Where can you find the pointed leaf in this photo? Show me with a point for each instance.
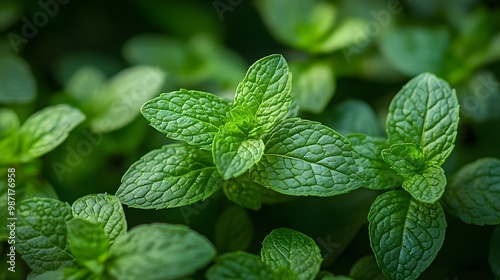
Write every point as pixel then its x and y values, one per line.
pixel 103 209
pixel 173 176
pixel 289 249
pixel 425 113
pixel 41 234
pixel 17 84
pixel 239 265
pixel 379 176
pixel 427 186
pixel 187 115
pixel 47 128
pixel 233 230
pixel 159 251
pixel 120 100
pixel 405 234
pixel 266 90
pixel 474 192
pixel 306 158
pixel 234 153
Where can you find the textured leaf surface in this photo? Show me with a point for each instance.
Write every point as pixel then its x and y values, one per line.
pixel 17 84
pixel 474 192
pixel 266 90
pixel 494 256
pixel 103 209
pixel 88 243
pixel 120 100
pixel 234 153
pixel 378 174
pixel 244 192
pixel 41 234
pixel 47 128
pixel 175 175
pixel 427 186
pixel 425 112
pixel 405 234
pixel 239 265
pixel 306 158
pixel 160 251
pixel 187 115
pixel 233 230
pixel 406 159
pixel 288 249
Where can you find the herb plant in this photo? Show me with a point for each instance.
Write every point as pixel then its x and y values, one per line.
pixel 241 147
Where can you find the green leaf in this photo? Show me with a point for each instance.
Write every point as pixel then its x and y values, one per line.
pixel 405 234
pixel 159 251
pixel 378 174
pixel 88 243
pixel 173 176
pixel 17 84
pixel 313 85
pixel 239 265
pixel 103 209
pixel 235 153
pixel 288 249
pixel 121 98
pixel 366 269
pixel 406 159
pixel 266 91
pixel 407 48
pixel 425 112
pixel 84 85
pixel 427 186
pixel 479 99
pixel 244 192
pixel 494 256
pixel 187 115
pixel 306 158
pixel 233 230
pixel 9 136
pixel 68 273
pixel 41 234
pixel 353 116
pixel 46 129
pixel 474 192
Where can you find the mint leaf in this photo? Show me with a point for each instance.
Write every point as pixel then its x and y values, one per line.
pixel 46 129
pixel 173 176
pixel 406 159
pixel 366 269
pixel 9 134
pixel 425 113
pixel 103 209
pixel 474 192
pixel 266 91
pixel 160 251
pixel 313 85
pixel 288 249
pixel 84 86
pixel 41 234
pixel 405 234
pixel 306 158
pixel 233 230
pixel 239 265
pixel 494 256
pixel 244 192
pixel 234 153
pixel 121 98
pixel 377 172
pixel 354 116
pixel 427 186
pixel 17 84
pixel 88 243
pixel 187 115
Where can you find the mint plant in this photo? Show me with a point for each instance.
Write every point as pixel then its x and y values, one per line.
pixel 241 147
pixel 89 240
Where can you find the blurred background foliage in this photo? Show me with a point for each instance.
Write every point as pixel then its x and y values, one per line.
pixel 348 59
